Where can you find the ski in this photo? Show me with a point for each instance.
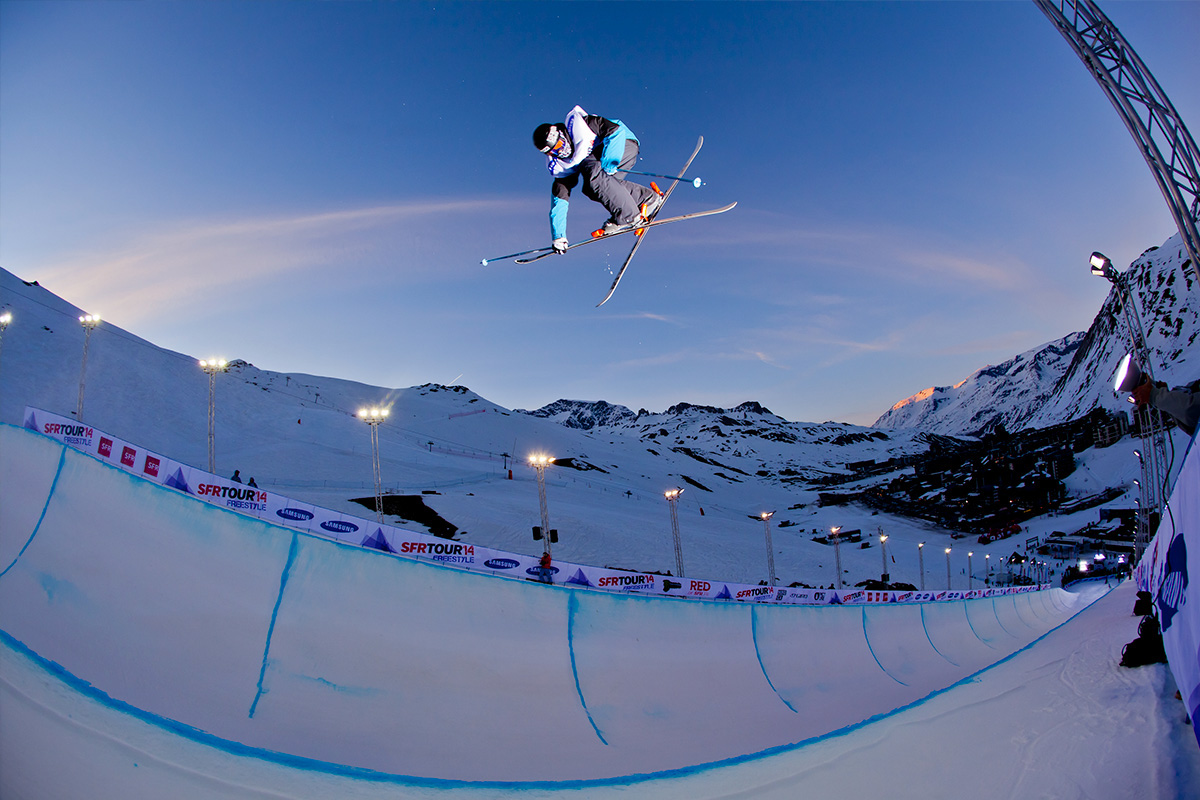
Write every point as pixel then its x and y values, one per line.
pixel 621 272
pixel 641 228
pixel 652 224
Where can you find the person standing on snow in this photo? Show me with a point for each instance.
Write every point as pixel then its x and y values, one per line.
pixel 595 150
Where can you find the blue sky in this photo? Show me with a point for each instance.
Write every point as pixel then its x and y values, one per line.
pixel 311 187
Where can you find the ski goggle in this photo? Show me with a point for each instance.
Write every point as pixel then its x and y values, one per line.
pixel 557 144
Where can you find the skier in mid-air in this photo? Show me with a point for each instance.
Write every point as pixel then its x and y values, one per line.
pixel 596 150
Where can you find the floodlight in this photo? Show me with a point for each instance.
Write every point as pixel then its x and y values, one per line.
pixel 211 365
pixel 1129 375
pixel 1101 265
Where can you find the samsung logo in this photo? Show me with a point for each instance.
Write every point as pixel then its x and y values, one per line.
pixel 297 514
pixel 501 563
pixel 337 526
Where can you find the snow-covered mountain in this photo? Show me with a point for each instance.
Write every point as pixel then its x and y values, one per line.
pixel 463 455
pixel 1065 379
pixel 582 414
pixel 745 443
pixel 994 395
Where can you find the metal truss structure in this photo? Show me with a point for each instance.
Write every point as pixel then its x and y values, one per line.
pixel 1161 136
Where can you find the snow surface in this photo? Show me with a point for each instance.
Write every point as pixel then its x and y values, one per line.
pixel 233 658
pixel 1056 719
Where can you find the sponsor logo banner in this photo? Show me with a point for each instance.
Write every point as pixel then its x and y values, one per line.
pixel 280 510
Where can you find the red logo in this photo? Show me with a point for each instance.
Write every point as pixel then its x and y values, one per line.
pixel 151 467
pixel 128 455
pixel 105 446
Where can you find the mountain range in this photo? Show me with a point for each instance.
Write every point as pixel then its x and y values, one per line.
pixel 463 454
pixel 1066 378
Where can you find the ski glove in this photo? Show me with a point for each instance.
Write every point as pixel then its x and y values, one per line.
pixel 560 246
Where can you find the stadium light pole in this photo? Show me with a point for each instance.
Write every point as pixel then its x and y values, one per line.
pixel 921 563
pixel 212 366
pixel 885 575
pixel 373 417
pixel 970 583
pixel 5 319
pixel 836 532
pixel 1151 427
pixel 947 569
pixel 539 461
pixel 89 323
pixel 766 518
pixel 672 496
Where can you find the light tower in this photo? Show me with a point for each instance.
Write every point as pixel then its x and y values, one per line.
pixel 374 416
pixel 947 569
pixel 766 518
pixel 1151 429
pixel 885 576
pixel 539 461
pixel 89 323
pixel 672 496
pixel 969 576
pixel 212 366
pixel 836 532
pixel 5 319
pixel 1157 129
pixel 921 563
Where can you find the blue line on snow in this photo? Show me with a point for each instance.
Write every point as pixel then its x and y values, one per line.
pixel 572 607
pixel 287 569
pixel 62 458
pixel 1001 624
pixel 758 655
pixel 374 776
pixel 930 638
pixel 971 625
pixel 867 637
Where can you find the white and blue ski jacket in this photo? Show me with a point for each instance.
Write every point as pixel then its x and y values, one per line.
pixel 590 135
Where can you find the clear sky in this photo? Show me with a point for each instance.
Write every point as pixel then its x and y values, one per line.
pixel 311 186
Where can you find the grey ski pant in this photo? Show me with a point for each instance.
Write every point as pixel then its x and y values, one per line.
pixel 621 198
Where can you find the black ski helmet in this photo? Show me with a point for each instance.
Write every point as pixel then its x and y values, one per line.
pixel 541 136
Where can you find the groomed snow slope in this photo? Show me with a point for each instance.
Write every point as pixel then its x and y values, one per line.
pixel 341 662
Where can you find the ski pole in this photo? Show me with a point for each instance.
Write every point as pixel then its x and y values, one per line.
pixel 487 261
pixel 693 181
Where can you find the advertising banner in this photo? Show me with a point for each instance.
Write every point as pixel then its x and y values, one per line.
pixel 1165 571
pixel 281 510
